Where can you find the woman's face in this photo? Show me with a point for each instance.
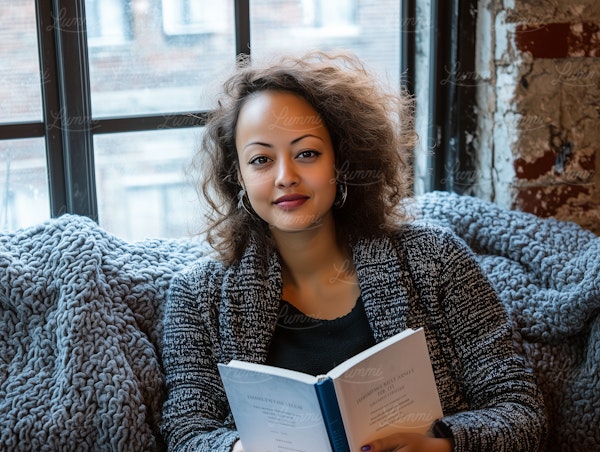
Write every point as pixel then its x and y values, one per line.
pixel 287 163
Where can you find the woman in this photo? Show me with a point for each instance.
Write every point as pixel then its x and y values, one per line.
pixel 307 176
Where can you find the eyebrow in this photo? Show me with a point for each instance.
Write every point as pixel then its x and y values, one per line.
pixel 294 141
pixel 308 135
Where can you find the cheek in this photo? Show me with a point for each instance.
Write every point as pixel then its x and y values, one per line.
pixel 324 187
pixel 257 188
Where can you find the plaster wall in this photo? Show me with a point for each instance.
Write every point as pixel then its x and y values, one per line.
pixel 538 106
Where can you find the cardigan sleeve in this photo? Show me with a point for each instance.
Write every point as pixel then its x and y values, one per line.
pixel 196 415
pixel 506 409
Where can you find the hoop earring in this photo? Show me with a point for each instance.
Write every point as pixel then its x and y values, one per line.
pixel 342 194
pixel 243 200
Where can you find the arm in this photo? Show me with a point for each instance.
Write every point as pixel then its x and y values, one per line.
pixel 196 414
pixel 505 405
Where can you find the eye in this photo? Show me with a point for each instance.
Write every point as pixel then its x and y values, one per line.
pixel 259 160
pixel 308 154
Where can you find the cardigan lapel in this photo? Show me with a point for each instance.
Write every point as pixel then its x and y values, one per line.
pixel 385 286
pixel 251 293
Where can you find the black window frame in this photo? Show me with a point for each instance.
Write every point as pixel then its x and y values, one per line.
pixel 452 96
pixel 68 126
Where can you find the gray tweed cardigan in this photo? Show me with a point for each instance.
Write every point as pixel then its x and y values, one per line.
pixel 422 277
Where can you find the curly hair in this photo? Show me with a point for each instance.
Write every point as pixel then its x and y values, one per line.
pixel 372 133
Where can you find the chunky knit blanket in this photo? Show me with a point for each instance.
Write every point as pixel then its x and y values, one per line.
pixel 80 324
pixel 547 274
pixel 80 337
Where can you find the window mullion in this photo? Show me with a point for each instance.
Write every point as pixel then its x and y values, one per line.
pixel 242 26
pixel 51 107
pixel 74 114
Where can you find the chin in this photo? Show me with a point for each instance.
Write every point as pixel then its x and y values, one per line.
pixel 298 227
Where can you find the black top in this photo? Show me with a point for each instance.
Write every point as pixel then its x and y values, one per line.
pixel 315 346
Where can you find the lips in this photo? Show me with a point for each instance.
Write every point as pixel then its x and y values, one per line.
pixel 290 201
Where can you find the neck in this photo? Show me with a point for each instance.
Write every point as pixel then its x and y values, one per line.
pixel 318 274
pixel 309 254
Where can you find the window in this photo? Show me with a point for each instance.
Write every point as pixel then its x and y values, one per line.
pixel 339 16
pixel 444 61
pixel 372 31
pixel 141 183
pixel 108 22
pixel 23 173
pixel 24 190
pixel 181 17
pixel 103 102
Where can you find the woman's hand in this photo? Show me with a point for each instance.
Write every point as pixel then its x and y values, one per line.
pixel 408 442
pixel 405 442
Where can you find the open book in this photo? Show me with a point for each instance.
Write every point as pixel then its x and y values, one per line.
pixel 387 388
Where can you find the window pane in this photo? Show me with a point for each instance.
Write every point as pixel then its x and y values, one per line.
pixel 108 22
pixel 20 90
pixel 24 197
pixel 143 189
pixel 155 57
pixel 369 28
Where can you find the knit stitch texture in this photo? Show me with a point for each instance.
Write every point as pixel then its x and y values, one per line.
pixel 80 324
pixel 80 336
pixel 547 274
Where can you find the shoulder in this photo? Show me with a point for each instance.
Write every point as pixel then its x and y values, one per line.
pixel 210 275
pixel 201 276
pixel 415 245
pixel 415 239
pixel 434 249
pixel 429 237
pixel 196 292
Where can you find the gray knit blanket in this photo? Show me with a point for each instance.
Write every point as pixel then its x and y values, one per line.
pixel 80 336
pixel 80 324
pixel 547 274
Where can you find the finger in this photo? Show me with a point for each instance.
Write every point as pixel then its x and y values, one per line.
pixel 395 442
pixel 389 443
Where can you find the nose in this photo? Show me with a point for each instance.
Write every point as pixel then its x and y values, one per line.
pixel 287 175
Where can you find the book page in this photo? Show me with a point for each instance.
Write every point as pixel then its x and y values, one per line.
pixel 275 413
pixel 393 390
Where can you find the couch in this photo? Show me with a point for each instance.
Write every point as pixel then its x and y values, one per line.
pixel 80 323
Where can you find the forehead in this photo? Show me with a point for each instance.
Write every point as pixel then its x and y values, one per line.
pixel 279 111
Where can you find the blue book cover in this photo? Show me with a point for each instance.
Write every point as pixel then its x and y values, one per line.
pixel 332 415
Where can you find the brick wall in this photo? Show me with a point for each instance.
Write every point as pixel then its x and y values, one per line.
pixel 539 126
